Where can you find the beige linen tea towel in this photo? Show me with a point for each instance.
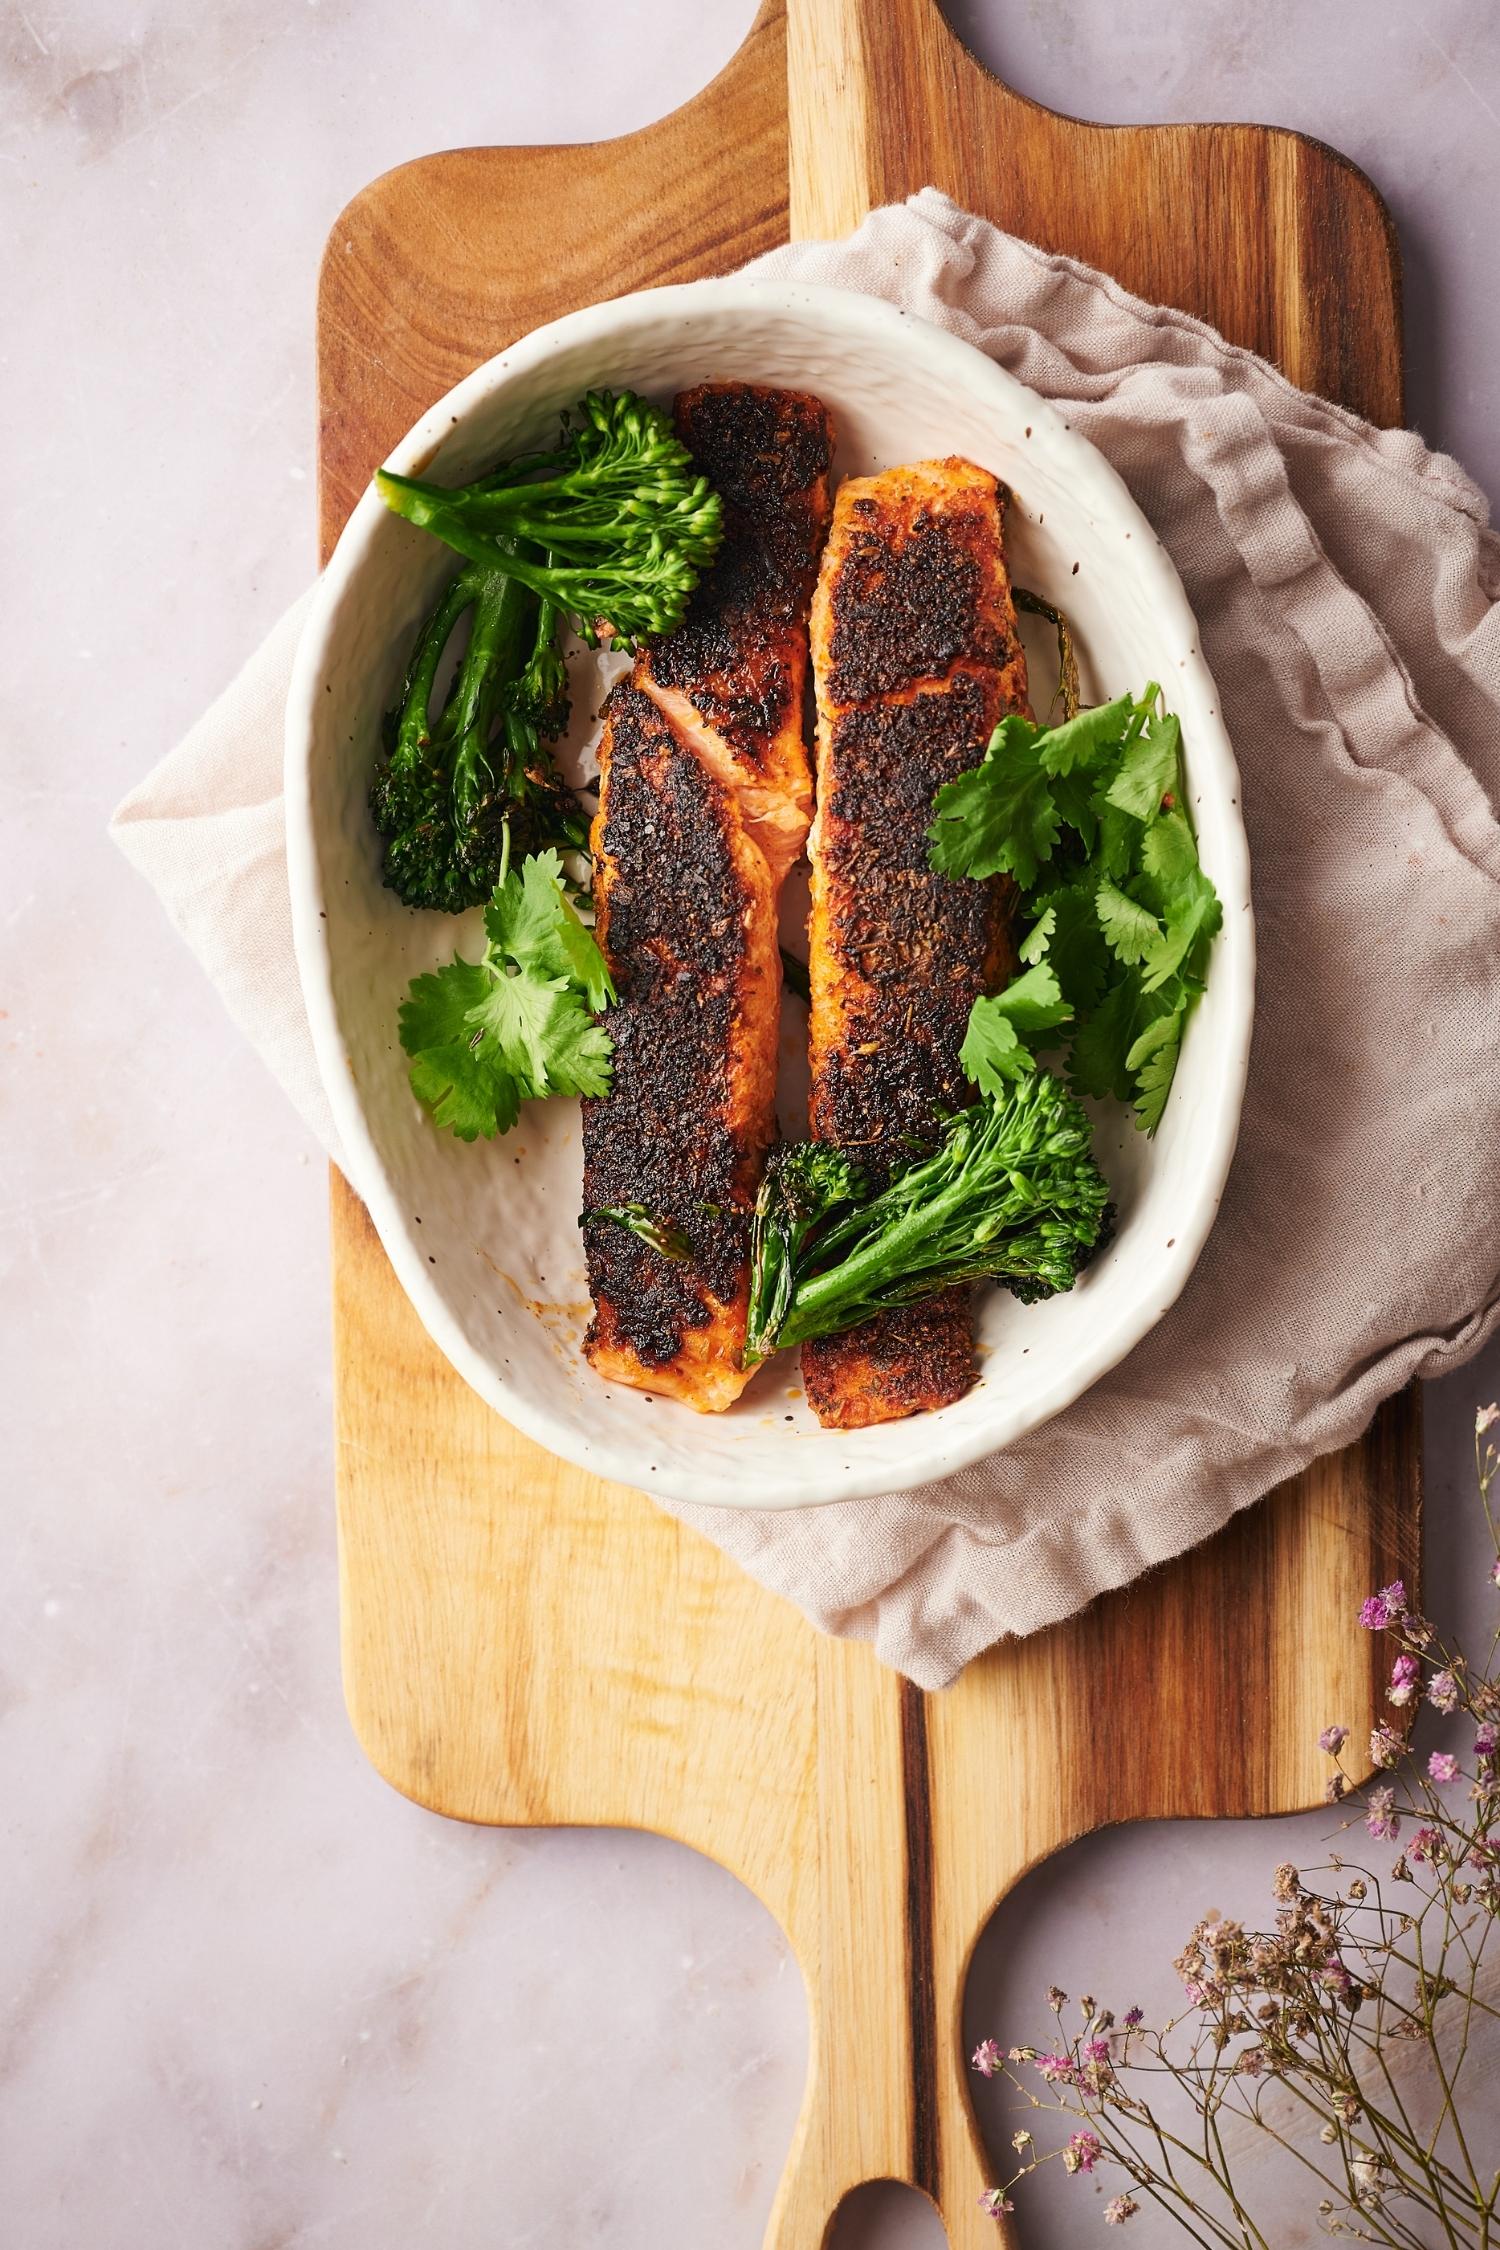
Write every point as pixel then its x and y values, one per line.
pixel 1346 583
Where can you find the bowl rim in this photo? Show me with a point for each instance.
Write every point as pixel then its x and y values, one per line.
pixel 806 1481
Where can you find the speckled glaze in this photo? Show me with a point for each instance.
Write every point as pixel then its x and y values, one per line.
pixel 484 1238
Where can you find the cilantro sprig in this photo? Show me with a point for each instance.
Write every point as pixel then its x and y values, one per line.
pixel 1088 818
pixel 517 1025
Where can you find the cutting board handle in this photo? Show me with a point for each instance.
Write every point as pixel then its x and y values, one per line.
pixel 878 1952
pixel 853 67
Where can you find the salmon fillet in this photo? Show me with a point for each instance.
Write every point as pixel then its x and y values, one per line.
pixel 705 797
pixel 732 676
pixel 915 658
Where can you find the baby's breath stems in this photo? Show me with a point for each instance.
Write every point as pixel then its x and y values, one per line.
pixel 1360 1958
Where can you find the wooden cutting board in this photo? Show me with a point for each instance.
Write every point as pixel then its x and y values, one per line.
pixel 525 1645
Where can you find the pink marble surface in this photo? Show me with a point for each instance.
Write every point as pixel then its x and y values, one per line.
pixel 251 1997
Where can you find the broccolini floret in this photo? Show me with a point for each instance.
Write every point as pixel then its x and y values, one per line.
pixel 626 520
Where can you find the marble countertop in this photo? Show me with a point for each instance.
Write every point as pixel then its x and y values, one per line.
pixel 253 1998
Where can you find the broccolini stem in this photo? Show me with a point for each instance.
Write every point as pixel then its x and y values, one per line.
pixel 627 482
pixel 493 654
pixel 414 729
pixel 1069 695
pixel 819 1305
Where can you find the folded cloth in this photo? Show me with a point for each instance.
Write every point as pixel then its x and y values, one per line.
pixel 1346 583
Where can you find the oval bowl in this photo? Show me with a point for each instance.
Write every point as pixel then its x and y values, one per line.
pixel 484 1238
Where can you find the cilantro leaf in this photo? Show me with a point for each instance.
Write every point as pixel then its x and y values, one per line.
pixel 1032 1001
pixel 484 1036
pixel 1088 738
pixel 1153 1059
pixel 1075 943
pixel 1169 856
pixel 1099 1065
pixel 1005 1027
pixel 1076 796
pixel 578 1050
pixel 1000 817
pixel 518 1015
pixel 467 1090
pixel 1036 941
pixel 1117 845
pixel 1123 919
pixel 1130 929
pixel 993 1051
pixel 586 964
pixel 1149 770
pixel 531 921
pixel 968 832
pixel 1194 916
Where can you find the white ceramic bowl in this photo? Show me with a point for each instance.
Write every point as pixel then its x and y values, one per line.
pixel 484 1238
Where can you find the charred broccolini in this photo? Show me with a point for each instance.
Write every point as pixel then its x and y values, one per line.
pixel 626 520
pixel 468 777
pixel 1012 1193
pixel 607 533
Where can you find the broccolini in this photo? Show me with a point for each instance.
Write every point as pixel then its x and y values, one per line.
pixel 626 520
pixel 606 533
pixel 1012 1192
pixel 465 781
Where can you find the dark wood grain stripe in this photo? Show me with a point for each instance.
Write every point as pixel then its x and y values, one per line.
pixel 921 1982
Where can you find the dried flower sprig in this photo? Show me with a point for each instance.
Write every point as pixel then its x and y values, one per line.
pixel 1360 1958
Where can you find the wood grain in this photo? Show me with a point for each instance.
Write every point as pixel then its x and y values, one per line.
pixel 525 1645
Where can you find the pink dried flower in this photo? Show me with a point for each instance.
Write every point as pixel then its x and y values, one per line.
pixel 1332 1739
pixel 1426 1844
pixel 1120 2208
pixel 1442 1691
pixel 1388 1607
pixel 986 2058
pixel 1385 1746
pixel 1082 2152
pixel 1097 2050
pixel 1132 2017
pixel 994 2201
pixel 1443 1766
pixel 1056 1998
pixel 1406 1672
pixel 1055 2067
pixel 1485 1853
pixel 1484 1418
pixel 1484 1742
pixel 1381 1819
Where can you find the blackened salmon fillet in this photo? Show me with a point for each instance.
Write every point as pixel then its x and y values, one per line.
pixel 915 658
pixel 732 676
pixel 705 797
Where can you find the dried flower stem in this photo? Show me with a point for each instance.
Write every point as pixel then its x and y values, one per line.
pixel 1359 1959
